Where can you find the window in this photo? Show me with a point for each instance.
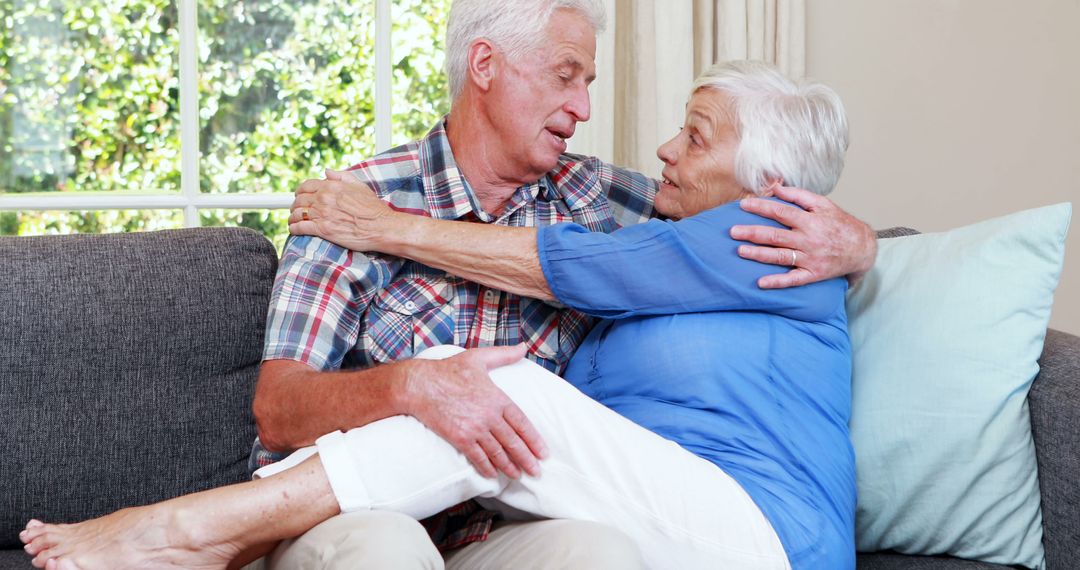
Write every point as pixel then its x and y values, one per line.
pixel 120 115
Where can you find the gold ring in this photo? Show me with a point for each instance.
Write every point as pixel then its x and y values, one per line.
pixel 304 215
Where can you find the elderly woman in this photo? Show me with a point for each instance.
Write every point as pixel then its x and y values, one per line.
pixel 705 417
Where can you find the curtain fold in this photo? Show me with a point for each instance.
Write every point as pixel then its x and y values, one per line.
pixel 652 51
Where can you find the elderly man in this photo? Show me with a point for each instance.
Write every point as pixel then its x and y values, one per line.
pixel 342 324
pixel 499 157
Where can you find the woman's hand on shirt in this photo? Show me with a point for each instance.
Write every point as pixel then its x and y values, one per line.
pixel 826 241
pixel 343 210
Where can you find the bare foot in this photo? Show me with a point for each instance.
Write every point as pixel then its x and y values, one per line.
pixel 202 530
pixel 165 535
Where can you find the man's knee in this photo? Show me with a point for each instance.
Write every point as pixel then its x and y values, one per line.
pixel 550 544
pixel 593 545
pixel 370 539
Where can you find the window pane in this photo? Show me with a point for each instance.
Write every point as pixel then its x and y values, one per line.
pixel 420 88
pixel 274 224
pixel 286 89
pixel 88 96
pixel 36 223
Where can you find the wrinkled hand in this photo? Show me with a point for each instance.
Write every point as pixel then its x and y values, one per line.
pixel 341 209
pixel 826 241
pixel 456 399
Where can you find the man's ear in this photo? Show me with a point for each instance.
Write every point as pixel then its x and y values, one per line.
pixel 482 64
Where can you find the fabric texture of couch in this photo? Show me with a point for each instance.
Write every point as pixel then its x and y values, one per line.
pixel 127 371
pixel 129 366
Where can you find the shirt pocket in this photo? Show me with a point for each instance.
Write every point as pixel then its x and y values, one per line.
pixel 408 316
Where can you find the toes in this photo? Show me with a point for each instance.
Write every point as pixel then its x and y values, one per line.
pixel 33 529
pixel 49 561
pixel 39 544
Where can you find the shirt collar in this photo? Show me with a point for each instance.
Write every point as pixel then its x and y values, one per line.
pixel 450 197
pixel 574 181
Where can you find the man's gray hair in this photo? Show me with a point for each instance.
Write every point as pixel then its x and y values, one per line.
pixel 797 131
pixel 514 26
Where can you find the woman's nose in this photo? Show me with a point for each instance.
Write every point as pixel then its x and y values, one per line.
pixel 667 151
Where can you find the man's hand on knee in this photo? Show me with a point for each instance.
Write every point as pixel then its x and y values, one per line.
pixel 456 399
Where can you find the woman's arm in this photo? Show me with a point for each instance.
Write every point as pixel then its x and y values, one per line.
pixel 672 267
pixel 343 210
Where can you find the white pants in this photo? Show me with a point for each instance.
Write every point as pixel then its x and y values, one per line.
pixel 681 510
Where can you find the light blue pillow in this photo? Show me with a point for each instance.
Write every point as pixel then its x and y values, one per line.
pixel 946 330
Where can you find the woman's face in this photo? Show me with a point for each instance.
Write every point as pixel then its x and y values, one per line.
pixel 699 162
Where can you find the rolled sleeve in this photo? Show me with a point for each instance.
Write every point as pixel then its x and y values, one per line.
pixel 319 296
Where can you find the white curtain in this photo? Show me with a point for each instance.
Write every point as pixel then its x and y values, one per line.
pixel 650 54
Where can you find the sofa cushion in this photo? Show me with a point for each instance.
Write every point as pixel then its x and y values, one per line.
pixel 1055 425
pixel 946 330
pixel 892 561
pixel 128 368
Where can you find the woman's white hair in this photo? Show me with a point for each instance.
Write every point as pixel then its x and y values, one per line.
pixel 795 131
pixel 514 26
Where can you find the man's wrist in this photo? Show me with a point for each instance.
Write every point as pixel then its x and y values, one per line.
pixel 408 234
pixel 403 383
pixel 871 251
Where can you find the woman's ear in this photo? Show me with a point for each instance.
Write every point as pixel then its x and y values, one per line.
pixel 482 65
pixel 771 184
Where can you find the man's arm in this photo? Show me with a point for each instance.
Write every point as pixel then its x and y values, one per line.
pixel 827 241
pixel 295 404
pixel 344 211
pixel 319 297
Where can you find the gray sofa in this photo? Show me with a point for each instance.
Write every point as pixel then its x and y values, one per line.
pixel 129 362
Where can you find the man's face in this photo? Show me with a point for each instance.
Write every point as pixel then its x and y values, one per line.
pixel 538 99
pixel 699 162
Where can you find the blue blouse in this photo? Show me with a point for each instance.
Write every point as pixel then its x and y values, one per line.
pixel 756 381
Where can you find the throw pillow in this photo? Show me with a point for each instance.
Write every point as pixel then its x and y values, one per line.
pixel 946 330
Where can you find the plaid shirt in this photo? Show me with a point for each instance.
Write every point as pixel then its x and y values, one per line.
pixel 333 308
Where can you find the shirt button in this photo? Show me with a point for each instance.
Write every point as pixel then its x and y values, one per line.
pixel 489 295
pixel 410 305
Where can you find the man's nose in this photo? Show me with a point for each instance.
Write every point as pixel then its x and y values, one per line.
pixel 578 105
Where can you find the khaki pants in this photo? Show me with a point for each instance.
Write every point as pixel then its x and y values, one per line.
pixel 383 539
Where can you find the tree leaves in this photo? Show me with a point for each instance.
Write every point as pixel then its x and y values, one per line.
pixel 88 96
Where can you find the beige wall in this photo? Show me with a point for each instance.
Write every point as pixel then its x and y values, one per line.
pixel 960 110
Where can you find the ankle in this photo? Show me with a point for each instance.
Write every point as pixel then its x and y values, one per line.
pixel 190 528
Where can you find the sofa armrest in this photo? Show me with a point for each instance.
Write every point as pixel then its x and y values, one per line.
pixel 1054 400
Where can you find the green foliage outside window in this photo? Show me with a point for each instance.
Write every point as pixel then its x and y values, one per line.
pixel 89 99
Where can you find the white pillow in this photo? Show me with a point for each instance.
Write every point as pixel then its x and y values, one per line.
pixel 946 330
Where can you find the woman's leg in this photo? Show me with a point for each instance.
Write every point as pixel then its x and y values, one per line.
pixel 681 510
pixel 202 530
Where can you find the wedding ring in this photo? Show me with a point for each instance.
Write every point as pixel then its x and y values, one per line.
pixel 794 258
pixel 304 215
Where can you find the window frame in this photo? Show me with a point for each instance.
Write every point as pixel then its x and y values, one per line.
pixel 190 199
